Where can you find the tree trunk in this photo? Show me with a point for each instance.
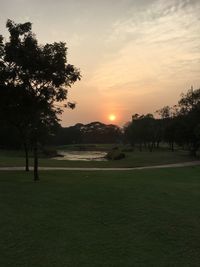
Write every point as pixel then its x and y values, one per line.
pixel 140 146
pixel 27 158
pixel 36 175
pixel 172 146
pixel 151 147
pixel 193 150
pixel 158 144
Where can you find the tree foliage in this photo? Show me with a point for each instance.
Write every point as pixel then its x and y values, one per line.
pixel 91 133
pixel 34 78
pixel 178 125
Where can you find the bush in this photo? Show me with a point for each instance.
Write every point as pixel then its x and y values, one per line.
pixel 115 154
pixel 50 153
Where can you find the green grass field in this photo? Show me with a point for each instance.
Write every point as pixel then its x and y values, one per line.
pixel 133 159
pixel 138 218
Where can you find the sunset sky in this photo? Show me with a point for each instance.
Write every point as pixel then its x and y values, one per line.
pixel 135 56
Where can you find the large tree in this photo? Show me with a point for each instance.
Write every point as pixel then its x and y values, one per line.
pixel 39 76
pixel 189 111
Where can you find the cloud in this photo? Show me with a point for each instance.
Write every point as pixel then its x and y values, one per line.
pixel 155 47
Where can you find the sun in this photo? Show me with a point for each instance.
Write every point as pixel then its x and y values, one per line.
pixel 112 117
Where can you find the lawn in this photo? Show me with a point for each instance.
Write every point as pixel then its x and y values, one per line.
pixel 138 218
pixel 132 159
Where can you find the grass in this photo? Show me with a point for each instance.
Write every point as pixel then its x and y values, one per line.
pixel 133 159
pixel 139 218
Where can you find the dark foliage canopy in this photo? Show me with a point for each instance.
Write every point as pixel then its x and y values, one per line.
pixel 33 78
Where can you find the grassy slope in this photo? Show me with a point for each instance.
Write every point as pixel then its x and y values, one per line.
pixel 139 218
pixel 133 159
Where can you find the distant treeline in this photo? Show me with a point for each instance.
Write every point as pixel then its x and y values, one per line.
pixel 92 133
pixel 174 126
pixel 178 125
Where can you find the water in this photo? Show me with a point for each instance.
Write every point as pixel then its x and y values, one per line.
pixel 82 155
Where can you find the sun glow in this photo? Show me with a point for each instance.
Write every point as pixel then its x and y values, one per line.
pixel 112 117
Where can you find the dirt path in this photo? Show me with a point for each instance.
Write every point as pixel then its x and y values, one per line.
pixel 175 165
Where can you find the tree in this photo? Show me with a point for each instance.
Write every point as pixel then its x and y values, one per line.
pixel 181 122
pixel 97 132
pixel 15 112
pixel 189 110
pixel 38 74
pixel 165 112
pixel 143 130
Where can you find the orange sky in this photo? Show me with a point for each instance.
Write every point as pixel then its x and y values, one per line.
pixel 134 56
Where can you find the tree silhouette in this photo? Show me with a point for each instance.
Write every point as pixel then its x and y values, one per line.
pixel 40 76
pixel 178 125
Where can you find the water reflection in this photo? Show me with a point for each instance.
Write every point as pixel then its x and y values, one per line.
pixel 82 155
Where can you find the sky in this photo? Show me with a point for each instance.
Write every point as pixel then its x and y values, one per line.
pixel 135 56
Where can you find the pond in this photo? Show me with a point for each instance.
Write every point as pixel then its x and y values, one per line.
pixel 82 155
